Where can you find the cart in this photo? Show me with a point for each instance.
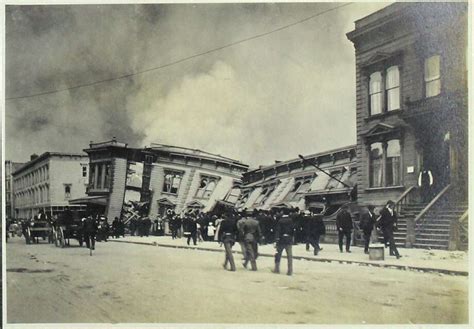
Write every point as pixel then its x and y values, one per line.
pixel 63 234
pixel 37 231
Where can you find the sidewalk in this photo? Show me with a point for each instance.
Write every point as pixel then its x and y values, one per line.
pixel 440 261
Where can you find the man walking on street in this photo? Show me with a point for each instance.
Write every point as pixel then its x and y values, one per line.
pixel 388 224
pixel 89 228
pixel 316 228
pixel 252 235
pixel 366 224
pixel 284 236
pixel 227 235
pixel 344 227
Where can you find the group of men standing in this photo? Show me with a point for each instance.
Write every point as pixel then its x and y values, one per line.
pixel 386 222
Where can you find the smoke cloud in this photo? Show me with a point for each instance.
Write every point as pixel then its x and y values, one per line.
pixel 267 99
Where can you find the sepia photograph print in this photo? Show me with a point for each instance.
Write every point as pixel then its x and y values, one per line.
pixel 235 164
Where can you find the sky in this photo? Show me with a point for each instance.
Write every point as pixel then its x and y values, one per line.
pixel 270 98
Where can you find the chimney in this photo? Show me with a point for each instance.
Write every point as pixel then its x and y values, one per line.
pixel 33 156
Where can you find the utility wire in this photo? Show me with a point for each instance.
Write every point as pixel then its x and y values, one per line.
pixel 257 36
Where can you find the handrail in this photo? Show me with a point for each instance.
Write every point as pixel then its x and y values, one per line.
pixel 431 204
pixel 404 196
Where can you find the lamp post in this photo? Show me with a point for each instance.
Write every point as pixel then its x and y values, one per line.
pixel 322 170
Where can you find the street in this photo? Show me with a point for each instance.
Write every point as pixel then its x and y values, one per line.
pixel 134 283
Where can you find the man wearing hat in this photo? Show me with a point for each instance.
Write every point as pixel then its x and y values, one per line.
pixel 252 234
pixel 344 227
pixel 227 235
pixel 366 224
pixel 284 235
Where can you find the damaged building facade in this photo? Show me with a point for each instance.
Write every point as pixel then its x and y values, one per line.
pixel 316 181
pixel 158 178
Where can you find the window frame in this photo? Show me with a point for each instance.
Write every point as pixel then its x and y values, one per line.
pixel 384 164
pixel 204 192
pixel 175 173
pixel 438 78
pixel 383 69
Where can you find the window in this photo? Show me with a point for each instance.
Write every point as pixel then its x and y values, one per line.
pixel 243 198
pixel 67 191
pixel 333 183
pixel 393 162
pixel 375 164
pixel 302 185
pixel 375 92
pixel 98 183
pixel 172 182
pixel 384 90
pixel 92 182
pixel 84 170
pixel 264 195
pixel 392 88
pixel 206 187
pixel 233 195
pixel 432 76
pixel 385 164
pixel 106 175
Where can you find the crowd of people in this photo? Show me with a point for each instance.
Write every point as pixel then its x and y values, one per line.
pixel 282 227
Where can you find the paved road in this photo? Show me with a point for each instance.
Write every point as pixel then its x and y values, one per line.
pixel 135 283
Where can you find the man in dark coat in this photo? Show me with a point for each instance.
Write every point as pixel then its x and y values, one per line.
pixel 252 235
pixel 284 236
pixel 146 226
pixel 315 228
pixel 366 224
pixel 228 235
pixel 344 227
pixel 67 218
pixel 115 227
pixel 191 228
pixel 89 229
pixel 388 224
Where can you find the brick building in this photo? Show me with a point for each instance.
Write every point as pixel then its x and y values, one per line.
pixel 411 77
pixel 48 182
pixel 165 177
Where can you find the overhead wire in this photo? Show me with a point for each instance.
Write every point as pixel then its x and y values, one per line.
pixel 257 36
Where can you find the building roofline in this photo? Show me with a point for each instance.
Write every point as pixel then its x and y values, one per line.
pixel 47 155
pixel 314 155
pixel 172 149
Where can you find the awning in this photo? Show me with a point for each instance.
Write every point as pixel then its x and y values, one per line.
pixel 96 200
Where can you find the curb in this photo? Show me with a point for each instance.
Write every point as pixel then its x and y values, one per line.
pixel 323 260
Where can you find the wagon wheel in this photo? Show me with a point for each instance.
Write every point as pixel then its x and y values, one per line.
pixel 57 241
pixel 61 238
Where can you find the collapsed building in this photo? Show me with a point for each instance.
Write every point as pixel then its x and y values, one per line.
pixel 128 182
